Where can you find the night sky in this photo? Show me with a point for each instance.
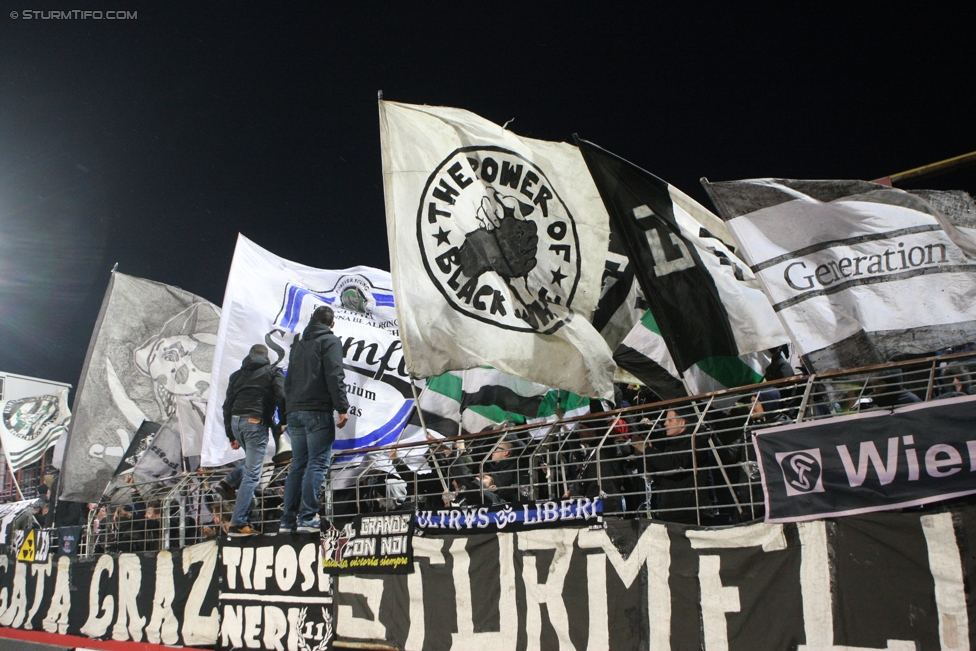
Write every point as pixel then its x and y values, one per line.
pixel 152 142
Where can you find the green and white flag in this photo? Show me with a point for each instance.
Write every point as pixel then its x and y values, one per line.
pixel 462 402
pixel 644 355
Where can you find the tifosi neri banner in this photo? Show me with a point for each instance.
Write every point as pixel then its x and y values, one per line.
pixel 275 594
pixel 875 461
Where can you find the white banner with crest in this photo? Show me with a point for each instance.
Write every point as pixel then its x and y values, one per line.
pixel 269 300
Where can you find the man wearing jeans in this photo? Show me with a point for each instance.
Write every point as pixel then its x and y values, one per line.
pixel 253 394
pixel 315 387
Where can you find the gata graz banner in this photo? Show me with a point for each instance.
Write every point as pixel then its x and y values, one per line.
pixel 163 598
pixel 875 461
pixel 275 594
pixel 881 581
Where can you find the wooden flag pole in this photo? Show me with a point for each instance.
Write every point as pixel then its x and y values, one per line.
pixel 928 170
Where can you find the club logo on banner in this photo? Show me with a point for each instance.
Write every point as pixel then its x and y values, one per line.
pixel 275 595
pixel 505 250
pixel 802 471
pixel 381 544
pixel 875 461
pixel 29 425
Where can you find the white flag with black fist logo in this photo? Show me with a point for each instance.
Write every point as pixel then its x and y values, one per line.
pixel 859 273
pixel 497 246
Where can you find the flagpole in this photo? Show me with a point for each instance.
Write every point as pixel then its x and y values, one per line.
pixel 420 412
pixel 13 476
pixel 928 170
pixel 711 444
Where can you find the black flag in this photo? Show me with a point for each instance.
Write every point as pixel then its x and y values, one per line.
pixel 678 287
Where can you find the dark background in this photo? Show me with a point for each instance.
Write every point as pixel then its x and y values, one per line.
pixel 153 142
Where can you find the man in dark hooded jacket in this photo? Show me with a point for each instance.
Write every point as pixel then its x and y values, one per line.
pixel 253 394
pixel 315 388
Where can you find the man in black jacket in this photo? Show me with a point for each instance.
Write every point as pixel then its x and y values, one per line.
pixel 253 394
pixel 315 387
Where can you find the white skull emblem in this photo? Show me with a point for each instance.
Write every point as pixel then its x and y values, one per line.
pixel 178 359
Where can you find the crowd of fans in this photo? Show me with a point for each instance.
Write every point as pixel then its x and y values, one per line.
pixel 683 463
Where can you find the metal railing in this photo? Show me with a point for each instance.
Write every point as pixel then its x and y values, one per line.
pixel 688 460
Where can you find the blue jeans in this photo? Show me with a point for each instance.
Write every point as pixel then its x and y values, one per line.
pixel 312 436
pixel 253 437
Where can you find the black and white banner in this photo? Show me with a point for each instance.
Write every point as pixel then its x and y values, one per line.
pixel 858 272
pixel 882 581
pixel 152 344
pixel 275 594
pixel 893 581
pixel 706 303
pixel 163 598
pixel 875 461
pixel 575 512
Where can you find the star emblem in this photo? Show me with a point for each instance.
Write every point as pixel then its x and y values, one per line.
pixel 441 236
pixel 557 277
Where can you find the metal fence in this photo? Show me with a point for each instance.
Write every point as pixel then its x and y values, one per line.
pixel 688 460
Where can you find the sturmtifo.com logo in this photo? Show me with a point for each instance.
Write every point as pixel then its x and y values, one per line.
pixel 802 471
pixel 497 240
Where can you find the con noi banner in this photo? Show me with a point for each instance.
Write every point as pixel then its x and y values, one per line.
pixel 371 544
pixel 875 461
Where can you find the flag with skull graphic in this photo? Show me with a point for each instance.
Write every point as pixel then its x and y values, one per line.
pixel 497 248
pixel 152 344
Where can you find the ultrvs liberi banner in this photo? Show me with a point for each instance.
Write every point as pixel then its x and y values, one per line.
pixel 874 461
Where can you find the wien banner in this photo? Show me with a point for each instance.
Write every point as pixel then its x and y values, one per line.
pixel 858 272
pixel 270 300
pixel 163 598
pixel 875 461
pixel 152 344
